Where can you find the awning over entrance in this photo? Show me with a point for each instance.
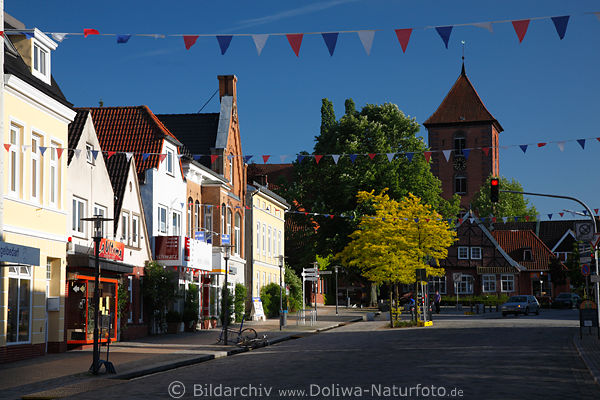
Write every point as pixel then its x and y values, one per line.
pixel 83 258
pixel 15 254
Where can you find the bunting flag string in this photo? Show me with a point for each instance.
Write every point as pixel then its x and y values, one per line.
pixel 330 38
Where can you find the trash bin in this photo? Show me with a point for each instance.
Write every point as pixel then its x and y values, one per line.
pixel 284 317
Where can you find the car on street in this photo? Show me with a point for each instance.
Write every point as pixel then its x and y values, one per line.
pixel 522 304
pixel 567 300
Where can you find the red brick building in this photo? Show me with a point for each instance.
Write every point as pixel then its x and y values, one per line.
pixel 464 138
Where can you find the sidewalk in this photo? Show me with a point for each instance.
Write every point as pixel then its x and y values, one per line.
pixel 588 348
pixel 64 374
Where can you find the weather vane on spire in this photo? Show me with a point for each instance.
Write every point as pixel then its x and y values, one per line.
pixel 462 42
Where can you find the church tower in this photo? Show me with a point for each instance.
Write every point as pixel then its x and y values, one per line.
pixel 464 138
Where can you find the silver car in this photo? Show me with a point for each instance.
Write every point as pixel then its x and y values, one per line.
pixel 522 304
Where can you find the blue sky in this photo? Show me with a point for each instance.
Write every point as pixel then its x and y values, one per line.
pixel 541 90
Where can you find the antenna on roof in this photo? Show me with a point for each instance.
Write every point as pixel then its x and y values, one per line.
pixel 101 103
pixel 462 42
pixel 207 101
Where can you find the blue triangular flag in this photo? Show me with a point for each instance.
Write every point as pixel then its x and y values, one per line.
pixel 523 147
pixel 560 23
pixel 409 156
pixel 29 35
pixel 94 154
pixel 549 216
pixel 145 156
pixel 42 150
pixel 247 158
pixel 197 157
pixel 390 156
pixel 482 219
pixel 444 32
pixel 300 157
pixel 224 42
pixel 123 38
pixel 330 41
pixel 335 157
pixel 353 157
pixel 581 143
pixel 516 219
pixel 449 221
pixel 466 153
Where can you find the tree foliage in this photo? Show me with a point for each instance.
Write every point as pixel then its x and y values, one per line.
pixel 509 204
pixel 159 290
pixel 399 238
pixel 330 188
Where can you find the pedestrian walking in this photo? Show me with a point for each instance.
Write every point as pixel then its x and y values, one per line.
pixel 437 299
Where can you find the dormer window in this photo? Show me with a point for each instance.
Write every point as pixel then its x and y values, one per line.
pixel 40 59
pixel 527 255
pixel 40 62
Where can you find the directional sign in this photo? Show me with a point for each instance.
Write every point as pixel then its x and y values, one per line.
pixel 311 278
pixel 585 260
pixel 310 270
pixel 325 272
pixel 225 239
pixel 585 269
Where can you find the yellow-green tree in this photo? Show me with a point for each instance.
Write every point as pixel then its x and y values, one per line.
pixel 399 238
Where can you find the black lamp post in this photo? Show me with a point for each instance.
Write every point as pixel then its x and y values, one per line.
pixel 335 267
pixel 281 322
pixel 98 220
pixel 226 292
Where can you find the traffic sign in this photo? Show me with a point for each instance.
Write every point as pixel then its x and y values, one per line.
pixel 584 231
pixel 595 278
pixel 325 272
pixel 585 260
pixel 596 240
pixel 585 269
pixel 225 239
pixel 456 276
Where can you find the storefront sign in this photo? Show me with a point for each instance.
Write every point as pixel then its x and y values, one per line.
pixel 257 308
pixel 17 254
pixel 199 236
pixel 111 250
pixel 166 247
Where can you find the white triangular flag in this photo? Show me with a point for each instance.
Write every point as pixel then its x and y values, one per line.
pixel 366 37
pixel 259 42
pixel 335 157
pixel 77 153
pixel 561 146
pixel 283 157
pixel 128 155
pixel 390 156
pixel 471 220
pixel 504 219
pixel 447 154
pixel 24 148
pixel 484 25
pixel 59 37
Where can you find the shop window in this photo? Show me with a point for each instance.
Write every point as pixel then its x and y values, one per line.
pixel 18 324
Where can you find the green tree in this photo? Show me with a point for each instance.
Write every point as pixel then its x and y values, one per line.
pixel 239 301
pixel 399 238
pixel 159 290
pixel 191 306
pixel 269 295
pixel 226 298
pixel 509 204
pixel 330 188
pixel 293 281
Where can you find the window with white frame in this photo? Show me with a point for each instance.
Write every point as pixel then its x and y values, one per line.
pixel 488 283
pixel 79 211
pixel 135 231
pixel 14 159
pixel 507 283
pixel 269 241
pixel 223 217
pixel 170 161
pixel 229 222
pixel 41 63
pixel 231 169
pixel 141 303
pixel 527 255
pixel 257 284
pixel 130 293
pixel 54 174
pixel 36 168
pixel 258 237
pixel 237 230
pixel 162 219
pixel 101 211
pixel 89 156
pixel 475 253
pixel 264 239
pixel 176 224
pixel 279 253
pixel 125 227
pixel 190 218
pixel 437 283
pixel 208 225
pixel 463 253
pixel 465 285
pixel 18 323
pixel 198 219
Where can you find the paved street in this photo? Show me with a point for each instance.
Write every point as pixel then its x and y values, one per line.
pixel 486 357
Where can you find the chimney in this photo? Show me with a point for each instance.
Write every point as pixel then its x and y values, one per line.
pixel 227 86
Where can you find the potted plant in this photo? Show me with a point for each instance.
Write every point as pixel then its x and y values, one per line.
pixel 173 321
pixel 206 322
pixel 213 322
pixel 190 316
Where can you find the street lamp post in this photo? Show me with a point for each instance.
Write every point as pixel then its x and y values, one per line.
pixel 281 257
pixel 98 220
pixel 226 297
pixel 335 267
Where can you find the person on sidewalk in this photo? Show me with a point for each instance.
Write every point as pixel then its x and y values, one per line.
pixel 437 299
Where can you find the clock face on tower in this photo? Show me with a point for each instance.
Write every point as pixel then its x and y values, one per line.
pixel 460 163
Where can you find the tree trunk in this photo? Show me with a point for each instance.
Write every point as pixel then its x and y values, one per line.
pixel 391 319
pixel 373 295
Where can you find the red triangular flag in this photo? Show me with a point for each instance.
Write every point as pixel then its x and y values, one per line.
pixel 493 219
pixel 189 40
pixel 561 214
pixel 527 218
pixel 7 146
pixel 265 159
pixel 161 158
pixel 596 210
pixel 87 32
pixel 427 155
pixel 372 155
pixel 460 220
pixel 318 158
pixel 541 144
pixel 295 40
pixel 331 216
pixel 59 151
pixel 598 139
pixel 486 151
pixel 213 158
pixel 403 37
pixel 2 33
pixel 110 154
pixel 521 28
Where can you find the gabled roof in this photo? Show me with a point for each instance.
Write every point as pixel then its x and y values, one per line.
pixel 515 242
pixel 118 170
pixel 273 172
pixel 132 129
pixel 462 105
pixel 75 131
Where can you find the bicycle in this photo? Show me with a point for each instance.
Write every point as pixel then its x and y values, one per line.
pixel 240 337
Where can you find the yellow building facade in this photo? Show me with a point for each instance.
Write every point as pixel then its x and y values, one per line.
pixel 32 281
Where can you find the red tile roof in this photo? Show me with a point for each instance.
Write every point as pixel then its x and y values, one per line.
pixel 514 242
pixel 131 129
pixel 462 105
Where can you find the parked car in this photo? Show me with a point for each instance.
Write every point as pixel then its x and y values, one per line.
pixel 568 300
pixel 522 304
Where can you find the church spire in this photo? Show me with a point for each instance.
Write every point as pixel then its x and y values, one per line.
pixel 462 72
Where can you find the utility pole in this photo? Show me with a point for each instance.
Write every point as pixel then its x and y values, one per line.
pixel 589 211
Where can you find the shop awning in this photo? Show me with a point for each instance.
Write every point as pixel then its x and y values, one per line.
pixel 82 258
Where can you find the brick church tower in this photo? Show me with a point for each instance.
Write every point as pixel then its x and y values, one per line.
pixel 464 138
